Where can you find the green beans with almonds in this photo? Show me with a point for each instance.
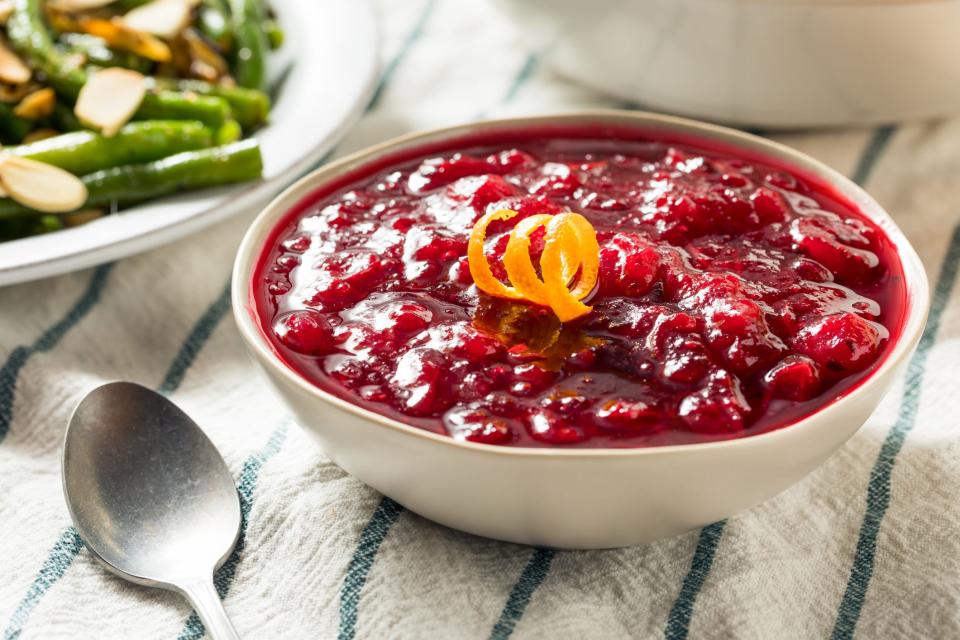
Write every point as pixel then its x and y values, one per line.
pixel 83 152
pixel 130 184
pixel 28 35
pixel 249 43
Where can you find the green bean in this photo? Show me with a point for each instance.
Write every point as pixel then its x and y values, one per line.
pixel 83 152
pixel 162 104
pixel 231 131
pixel 29 36
pixel 214 23
pixel 249 107
pixel 12 128
pixel 130 184
pixel 275 35
pixel 236 162
pixel 250 43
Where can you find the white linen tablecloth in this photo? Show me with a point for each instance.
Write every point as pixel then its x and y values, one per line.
pixel 867 546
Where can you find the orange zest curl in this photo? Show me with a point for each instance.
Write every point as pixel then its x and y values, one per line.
pixel 570 247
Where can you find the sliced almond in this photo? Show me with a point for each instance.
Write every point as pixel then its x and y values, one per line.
pixel 6 8
pixel 120 36
pixel 164 18
pixel 12 69
pixel 109 99
pixel 113 31
pixel 41 186
pixel 78 5
pixel 36 105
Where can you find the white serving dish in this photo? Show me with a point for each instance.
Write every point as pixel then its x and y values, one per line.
pixel 573 498
pixel 326 72
pixel 762 63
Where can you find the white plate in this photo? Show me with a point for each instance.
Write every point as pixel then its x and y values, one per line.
pixel 329 61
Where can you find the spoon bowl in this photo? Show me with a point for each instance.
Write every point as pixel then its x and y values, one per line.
pixel 150 495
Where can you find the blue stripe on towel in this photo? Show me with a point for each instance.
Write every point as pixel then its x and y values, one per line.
pixel 678 621
pixel 246 485
pixel 391 68
pixel 372 536
pixel 58 560
pixel 198 337
pixel 48 340
pixel 520 79
pixel 526 70
pixel 878 488
pixel 868 159
pixel 62 556
pixel 529 581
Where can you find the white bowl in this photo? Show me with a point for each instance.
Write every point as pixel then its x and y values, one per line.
pixel 573 498
pixel 767 63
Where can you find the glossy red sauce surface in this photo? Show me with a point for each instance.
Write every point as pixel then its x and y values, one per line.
pixel 734 297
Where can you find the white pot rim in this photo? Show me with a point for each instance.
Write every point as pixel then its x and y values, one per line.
pixel 917 289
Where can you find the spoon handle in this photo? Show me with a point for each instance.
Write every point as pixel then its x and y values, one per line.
pixel 206 602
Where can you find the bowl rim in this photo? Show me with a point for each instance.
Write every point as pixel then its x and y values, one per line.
pixel 244 308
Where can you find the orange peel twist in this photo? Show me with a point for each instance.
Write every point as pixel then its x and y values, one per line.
pixel 570 246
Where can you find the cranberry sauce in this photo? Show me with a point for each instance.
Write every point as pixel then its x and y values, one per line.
pixel 734 297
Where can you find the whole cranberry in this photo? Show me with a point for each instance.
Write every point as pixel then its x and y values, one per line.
pixel 308 332
pixel 419 382
pixel 503 404
pixel 795 377
pixel 719 407
pixel 550 428
pixel 475 424
pixel 628 265
pixel 846 254
pixel 536 376
pixel 840 342
pixel 769 205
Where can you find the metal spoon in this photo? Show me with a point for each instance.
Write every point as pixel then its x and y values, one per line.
pixel 150 495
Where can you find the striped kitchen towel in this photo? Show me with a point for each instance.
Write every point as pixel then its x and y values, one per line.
pixel 867 546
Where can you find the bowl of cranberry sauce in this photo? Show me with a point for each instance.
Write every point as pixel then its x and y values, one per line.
pixel 678 292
